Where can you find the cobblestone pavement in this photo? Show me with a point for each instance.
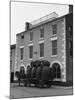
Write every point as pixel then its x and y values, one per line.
pixel 25 92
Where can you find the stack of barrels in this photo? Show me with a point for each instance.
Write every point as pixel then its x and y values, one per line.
pixel 40 73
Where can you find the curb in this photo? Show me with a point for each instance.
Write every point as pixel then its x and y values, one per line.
pixel 63 87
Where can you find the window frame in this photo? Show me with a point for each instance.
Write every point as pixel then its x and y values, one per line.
pixel 54 29
pixel 41 50
pixel 21 55
pixel 70 28
pixel 30 52
pixel 31 36
pixel 57 72
pixel 41 32
pixel 71 48
pixel 54 48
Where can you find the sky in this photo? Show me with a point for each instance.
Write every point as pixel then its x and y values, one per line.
pixel 22 12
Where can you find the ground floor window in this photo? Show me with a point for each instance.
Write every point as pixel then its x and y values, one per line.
pixel 22 70
pixel 56 70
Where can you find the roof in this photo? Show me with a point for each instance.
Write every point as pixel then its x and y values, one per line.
pixel 47 17
pixel 45 22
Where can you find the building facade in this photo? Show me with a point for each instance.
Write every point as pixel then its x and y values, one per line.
pixel 12 61
pixel 50 40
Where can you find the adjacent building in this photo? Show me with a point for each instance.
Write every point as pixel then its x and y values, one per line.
pixel 12 61
pixel 49 38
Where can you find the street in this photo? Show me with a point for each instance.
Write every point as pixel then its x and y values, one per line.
pixel 25 92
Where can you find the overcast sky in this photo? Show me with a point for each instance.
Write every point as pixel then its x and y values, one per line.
pixel 22 12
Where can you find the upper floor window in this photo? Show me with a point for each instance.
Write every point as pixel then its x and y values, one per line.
pixel 54 29
pixel 41 49
pixel 10 64
pixel 22 36
pixel 41 32
pixel 70 30
pixel 71 48
pixel 21 53
pixel 30 52
pixel 31 36
pixel 54 47
pixel 11 53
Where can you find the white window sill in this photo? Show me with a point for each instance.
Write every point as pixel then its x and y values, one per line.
pixel 30 59
pixel 54 35
pixel 41 57
pixel 40 39
pixel 54 55
pixel 57 79
pixel 53 38
pixel 21 46
pixel 30 44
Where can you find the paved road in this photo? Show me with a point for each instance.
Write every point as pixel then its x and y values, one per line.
pixel 22 92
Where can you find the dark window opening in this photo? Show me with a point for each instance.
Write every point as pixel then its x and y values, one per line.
pixel 42 33
pixel 54 28
pixel 11 64
pixel 31 36
pixel 71 48
pixel 22 70
pixel 70 30
pixel 54 47
pixel 11 53
pixel 41 49
pixel 21 53
pixel 30 52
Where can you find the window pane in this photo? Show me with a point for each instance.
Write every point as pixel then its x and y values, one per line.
pixel 42 35
pixel 31 52
pixel 54 75
pixel 70 30
pixel 54 28
pixel 42 32
pixel 71 48
pixel 58 69
pixel 21 52
pixel 31 36
pixel 54 51
pixel 58 75
pixel 54 47
pixel 54 43
pixel 41 49
pixel 54 69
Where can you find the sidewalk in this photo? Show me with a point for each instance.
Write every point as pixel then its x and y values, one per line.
pixel 53 86
pixel 63 87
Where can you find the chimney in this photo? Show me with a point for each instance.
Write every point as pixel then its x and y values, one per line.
pixel 27 26
pixel 70 8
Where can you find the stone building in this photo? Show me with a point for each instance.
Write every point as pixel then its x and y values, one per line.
pixel 12 61
pixel 49 38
